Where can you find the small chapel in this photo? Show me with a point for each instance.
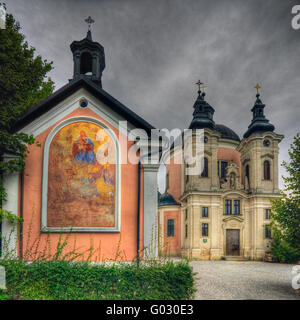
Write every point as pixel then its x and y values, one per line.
pixel 105 205
pixel 71 188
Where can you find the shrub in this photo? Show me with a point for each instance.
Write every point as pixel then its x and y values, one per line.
pixel 65 280
pixel 284 251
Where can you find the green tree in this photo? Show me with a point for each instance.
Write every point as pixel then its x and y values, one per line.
pixel 286 211
pixel 23 83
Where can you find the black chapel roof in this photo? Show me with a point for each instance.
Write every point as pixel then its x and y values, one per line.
pixel 70 88
pixel 226 133
pixel 166 199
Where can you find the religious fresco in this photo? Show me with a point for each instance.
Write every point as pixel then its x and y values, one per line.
pixel 81 183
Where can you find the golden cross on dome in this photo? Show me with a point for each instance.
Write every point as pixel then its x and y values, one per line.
pixel 257 87
pixel 89 21
pixel 199 84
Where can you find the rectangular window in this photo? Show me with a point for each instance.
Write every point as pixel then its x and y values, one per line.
pixel 186 214
pixel 170 228
pixel 205 212
pixel 267 214
pixel 167 182
pixel 228 207
pixel 268 234
pixel 223 168
pixel 237 209
pixel 204 229
pixel 186 230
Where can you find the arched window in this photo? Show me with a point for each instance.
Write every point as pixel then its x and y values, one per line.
pixel 205 168
pixel 86 63
pixel 81 178
pixel 267 171
pixel 247 174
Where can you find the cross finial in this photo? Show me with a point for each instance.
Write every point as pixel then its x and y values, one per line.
pixel 89 21
pixel 199 84
pixel 257 87
pixel 203 86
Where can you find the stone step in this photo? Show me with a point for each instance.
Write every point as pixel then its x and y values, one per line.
pixel 236 258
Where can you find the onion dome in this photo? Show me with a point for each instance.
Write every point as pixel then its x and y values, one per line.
pixel 203 114
pixel 259 123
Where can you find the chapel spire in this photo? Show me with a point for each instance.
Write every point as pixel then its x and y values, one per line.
pixel 203 112
pixel 259 123
pixel 89 57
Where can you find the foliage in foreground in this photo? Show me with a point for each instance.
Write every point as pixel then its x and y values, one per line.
pixel 286 211
pixel 23 83
pixel 65 280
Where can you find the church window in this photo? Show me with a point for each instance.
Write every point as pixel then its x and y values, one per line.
pixel 228 206
pixel 170 228
pixel 167 182
pixel 224 165
pixel 204 229
pixel 205 212
pixel 205 168
pixel 247 174
pixel 83 103
pixel 86 63
pixel 186 231
pixel 268 233
pixel 266 143
pixel 267 170
pixel 237 209
pixel 267 214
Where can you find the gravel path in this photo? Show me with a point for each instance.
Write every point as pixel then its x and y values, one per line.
pixel 239 280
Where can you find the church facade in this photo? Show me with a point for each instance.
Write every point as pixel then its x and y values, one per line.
pixel 223 212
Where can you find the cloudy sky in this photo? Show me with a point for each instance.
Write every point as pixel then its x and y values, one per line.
pixel 157 49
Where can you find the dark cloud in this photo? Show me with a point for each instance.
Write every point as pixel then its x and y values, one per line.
pixel 156 50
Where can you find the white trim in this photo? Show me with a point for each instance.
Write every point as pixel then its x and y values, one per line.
pixel 70 104
pixel 48 141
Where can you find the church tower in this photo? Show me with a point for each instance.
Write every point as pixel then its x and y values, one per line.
pixel 259 158
pixel 207 179
pixel 89 58
pixel 259 152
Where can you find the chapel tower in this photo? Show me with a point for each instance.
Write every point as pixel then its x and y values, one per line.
pixel 89 57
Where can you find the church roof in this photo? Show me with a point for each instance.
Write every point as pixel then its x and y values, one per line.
pixel 259 123
pixel 226 133
pixel 68 89
pixel 166 199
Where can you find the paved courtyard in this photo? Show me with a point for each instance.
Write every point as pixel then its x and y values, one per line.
pixel 239 280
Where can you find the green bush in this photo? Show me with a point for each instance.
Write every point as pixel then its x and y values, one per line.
pixel 284 251
pixel 64 280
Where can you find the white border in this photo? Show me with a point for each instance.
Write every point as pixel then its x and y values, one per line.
pixel 48 141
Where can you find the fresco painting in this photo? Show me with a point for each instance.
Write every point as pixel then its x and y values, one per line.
pixel 81 185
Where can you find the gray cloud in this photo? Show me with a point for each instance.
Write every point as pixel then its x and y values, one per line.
pixel 156 51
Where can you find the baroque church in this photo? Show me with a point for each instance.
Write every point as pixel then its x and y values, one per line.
pixel 224 212
pixel 70 188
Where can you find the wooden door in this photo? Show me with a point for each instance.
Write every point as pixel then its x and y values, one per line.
pixel 232 242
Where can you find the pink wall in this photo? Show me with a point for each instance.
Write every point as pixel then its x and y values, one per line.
pixel 174 171
pixel 172 245
pixel 106 245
